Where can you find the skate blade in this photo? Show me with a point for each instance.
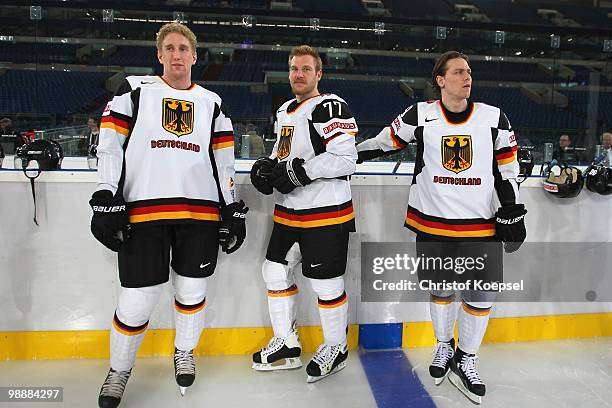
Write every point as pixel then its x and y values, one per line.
pixel 290 364
pixel 440 380
pixel 182 390
pixel 339 367
pixel 456 381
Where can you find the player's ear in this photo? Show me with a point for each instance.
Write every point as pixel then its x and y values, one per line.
pixel 159 56
pixel 195 58
pixel 440 81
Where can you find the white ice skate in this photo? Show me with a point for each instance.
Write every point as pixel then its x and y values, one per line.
pixel 184 369
pixel 279 354
pixel 327 361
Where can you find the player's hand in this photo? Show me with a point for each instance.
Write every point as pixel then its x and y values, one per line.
pixel 510 226
pixel 260 174
pixel 288 175
pixel 110 222
pixel 233 226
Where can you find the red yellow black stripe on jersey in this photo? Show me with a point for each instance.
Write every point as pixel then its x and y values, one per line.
pixel 450 228
pixel 506 155
pixel 331 304
pixel 189 309
pixel 222 140
pixel 173 209
pixel 290 291
pixel 329 139
pixel 128 330
pixel 315 217
pixel 397 142
pixel 117 122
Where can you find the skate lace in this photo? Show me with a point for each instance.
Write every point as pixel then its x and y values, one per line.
pixel 183 360
pixel 441 354
pixel 468 364
pixel 114 385
pixel 324 354
pixel 275 344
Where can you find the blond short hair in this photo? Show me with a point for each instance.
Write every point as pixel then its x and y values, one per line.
pixel 176 27
pixel 301 50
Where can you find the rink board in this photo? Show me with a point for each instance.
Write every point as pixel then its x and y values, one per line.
pixel 60 286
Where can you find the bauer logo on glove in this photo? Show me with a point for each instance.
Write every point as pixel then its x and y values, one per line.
pixel 232 231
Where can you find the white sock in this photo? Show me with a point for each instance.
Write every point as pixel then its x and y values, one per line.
pixel 124 342
pixel 130 323
pixel 473 323
pixel 333 309
pixel 443 315
pixel 189 303
pixel 282 308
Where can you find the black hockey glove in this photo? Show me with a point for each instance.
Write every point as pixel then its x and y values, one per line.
pixel 510 226
pixel 260 174
pixel 288 175
pixel 233 226
pixel 110 222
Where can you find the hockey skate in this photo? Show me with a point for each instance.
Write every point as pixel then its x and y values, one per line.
pixel 184 369
pixel 279 349
pixel 443 354
pixel 326 361
pixel 464 376
pixel 113 388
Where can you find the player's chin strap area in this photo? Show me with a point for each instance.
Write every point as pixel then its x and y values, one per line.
pixel 25 172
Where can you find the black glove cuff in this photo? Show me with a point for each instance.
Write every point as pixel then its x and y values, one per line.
pixel 297 173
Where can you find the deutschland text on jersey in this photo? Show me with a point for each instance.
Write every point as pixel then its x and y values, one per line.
pixel 461 164
pixel 321 130
pixel 169 152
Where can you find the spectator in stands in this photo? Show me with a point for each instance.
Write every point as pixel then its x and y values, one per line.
pixel 8 134
pixel 606 147
pixel 564 152
pixel 256 145
pixel 94 130
pixel 91 138
pixel 5 126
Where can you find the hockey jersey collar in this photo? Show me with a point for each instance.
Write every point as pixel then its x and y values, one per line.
pixel 192 86
pixel 295 105
pixel 453 118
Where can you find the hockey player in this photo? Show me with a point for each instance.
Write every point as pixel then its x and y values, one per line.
pixel 466 156
pixel 309 167
pixel 165 183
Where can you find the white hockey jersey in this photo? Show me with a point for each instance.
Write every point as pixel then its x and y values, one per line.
pixel 462 161
pixel 169 151
pixel 321 130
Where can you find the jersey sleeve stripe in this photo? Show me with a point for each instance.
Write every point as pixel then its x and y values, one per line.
pixel 506 152
pixel 506 156
pixel 223 133
pixel 224 145
pixel 329 139
pixel 222 140
pixel 116 124
pixel 396 141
